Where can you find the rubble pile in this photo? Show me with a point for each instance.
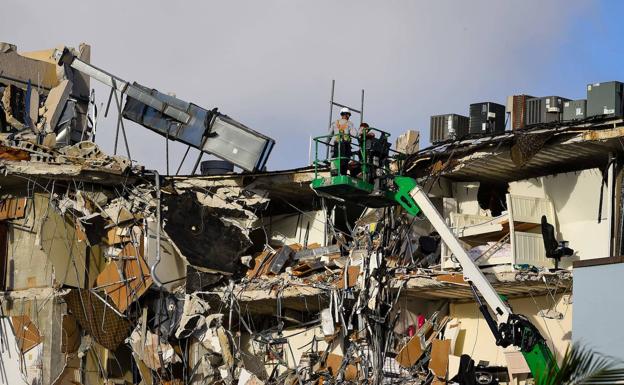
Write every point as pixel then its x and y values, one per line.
pixel 202 298
pixel 111 273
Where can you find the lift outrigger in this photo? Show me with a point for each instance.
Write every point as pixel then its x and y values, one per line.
pixel 387 188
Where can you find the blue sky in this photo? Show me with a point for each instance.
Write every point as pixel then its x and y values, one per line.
pixel 270 64
pixel 592 49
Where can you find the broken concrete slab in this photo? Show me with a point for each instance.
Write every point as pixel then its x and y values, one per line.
pixel 151 351
pixel 54 105
pixel 408 143
pixel 193 321
pixel 248 378
pixel 19 70
pixel 194 229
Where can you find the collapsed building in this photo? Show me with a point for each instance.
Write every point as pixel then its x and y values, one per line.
pixel 111 273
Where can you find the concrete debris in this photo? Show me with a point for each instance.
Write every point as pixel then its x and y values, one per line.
pixel 298 310
pixel 248 378
pixel 112 273
pixel 408 143
pixel 37 94
pixel 151 351
pixel 193 319
pixel 54 106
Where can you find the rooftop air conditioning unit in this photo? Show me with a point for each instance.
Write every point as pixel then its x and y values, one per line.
pixel 544 110
pixel 605 99
pixel 448 127
pixel 487 118
pixel 574 110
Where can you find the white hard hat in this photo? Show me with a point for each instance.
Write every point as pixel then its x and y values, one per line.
pixel 345 110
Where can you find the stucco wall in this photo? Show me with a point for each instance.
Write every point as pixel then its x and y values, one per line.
pixel 598 311
pixel 476 340
pixel 576 197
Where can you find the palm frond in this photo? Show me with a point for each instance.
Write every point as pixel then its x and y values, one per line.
pixel 582 366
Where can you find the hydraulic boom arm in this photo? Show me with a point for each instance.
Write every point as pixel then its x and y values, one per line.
pixel 508 328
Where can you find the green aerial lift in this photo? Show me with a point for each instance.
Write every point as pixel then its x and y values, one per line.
pixel 509 329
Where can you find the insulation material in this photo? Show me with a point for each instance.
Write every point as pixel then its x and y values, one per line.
pixel 226 347
pixel 33 106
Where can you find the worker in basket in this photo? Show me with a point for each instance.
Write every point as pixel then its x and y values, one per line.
pixel 377 152
pixel 378 157
pixel 341 131
pixel 365 135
